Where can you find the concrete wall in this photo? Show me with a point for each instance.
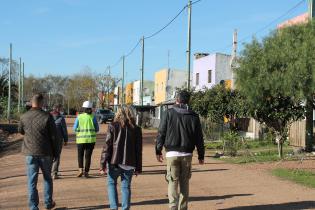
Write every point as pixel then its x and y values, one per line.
pixel 176 79
pixel 222 68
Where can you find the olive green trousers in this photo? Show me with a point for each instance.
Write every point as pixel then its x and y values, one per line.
pixel 178 175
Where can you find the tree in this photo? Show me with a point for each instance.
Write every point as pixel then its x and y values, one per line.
pixel 82 87
pixel 106 85
pixel 276 76
pixel 219 102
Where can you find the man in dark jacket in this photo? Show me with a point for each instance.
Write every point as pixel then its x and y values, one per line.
pixel 179 132
pixel 40 146
pixel 62 134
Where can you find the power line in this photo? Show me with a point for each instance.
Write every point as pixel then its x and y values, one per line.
pixel 115 64
pixel 195 2
pixel 274 21
pixel 267 25
pixel 154 34
pixel 169 23
pixel 133 49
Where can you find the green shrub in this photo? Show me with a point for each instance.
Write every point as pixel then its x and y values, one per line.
pixel 232 143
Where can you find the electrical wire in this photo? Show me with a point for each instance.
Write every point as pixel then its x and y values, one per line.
pixel 195 2
pixel 155 33
pixel 115 64
pixel 274 21
pixel 266 26
pixel 133 49
pixel 169 23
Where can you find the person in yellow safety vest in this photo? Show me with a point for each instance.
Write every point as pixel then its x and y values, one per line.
pixel 85 127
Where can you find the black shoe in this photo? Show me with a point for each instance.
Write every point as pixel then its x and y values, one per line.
pixel 52 205
pixel 86 174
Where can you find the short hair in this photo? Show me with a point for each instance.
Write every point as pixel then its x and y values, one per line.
pixel 38 99
pixel 183 96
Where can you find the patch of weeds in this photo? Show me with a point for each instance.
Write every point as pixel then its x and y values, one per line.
pixel 215 145
pixel 258 156
pixel 299 176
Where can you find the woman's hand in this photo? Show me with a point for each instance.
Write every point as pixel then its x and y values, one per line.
pixel 102 171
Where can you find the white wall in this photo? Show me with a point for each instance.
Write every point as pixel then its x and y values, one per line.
pixel 136 92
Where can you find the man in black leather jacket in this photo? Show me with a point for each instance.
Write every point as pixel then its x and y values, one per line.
pixel 179 132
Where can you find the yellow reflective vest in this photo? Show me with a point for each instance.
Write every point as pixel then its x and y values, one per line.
pixel 86 131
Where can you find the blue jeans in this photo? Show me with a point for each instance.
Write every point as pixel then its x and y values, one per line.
pixel 126 175
pixel 33 164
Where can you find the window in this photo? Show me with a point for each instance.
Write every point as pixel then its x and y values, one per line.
pixel 197 78
pixel 209 76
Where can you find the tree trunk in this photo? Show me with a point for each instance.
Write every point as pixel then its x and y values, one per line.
pixel 280 149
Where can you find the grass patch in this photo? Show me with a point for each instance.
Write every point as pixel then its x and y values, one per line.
pixel 303 177
pixel 259 156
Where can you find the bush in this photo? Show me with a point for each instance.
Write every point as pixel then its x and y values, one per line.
pixel 232 143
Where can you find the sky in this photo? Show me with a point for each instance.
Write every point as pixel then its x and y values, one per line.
pixel 62 37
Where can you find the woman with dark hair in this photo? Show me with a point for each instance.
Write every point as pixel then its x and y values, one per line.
pixel 122 156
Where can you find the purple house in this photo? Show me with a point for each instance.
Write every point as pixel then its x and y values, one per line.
pixel 210 70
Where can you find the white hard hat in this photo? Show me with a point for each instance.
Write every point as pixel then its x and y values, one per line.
pixel 87 104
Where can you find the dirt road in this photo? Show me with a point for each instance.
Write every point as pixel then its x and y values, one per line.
pixel 215 185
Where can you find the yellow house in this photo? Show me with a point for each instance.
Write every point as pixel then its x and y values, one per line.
pixel 160 82
pixel 129 94
pixel 166 81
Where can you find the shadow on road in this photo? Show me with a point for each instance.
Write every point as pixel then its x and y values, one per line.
pixel 280 206
pixel 160 201
pixel 151 172
pixel 96 175
pixel 191 199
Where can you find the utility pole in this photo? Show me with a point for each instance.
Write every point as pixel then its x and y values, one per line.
pixel 234 58
pixel 189 43
pixel 168 59
pixel 20 75
pixel 9 84
pixel 108 85
pixel 142 70
pixel 22 84
pixel 309 101
pixel 123 81
pixel 311 9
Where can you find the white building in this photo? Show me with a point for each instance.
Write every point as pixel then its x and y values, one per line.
pixel 210 70
pixel 148 93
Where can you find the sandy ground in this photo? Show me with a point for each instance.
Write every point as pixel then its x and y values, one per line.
pixel 214 185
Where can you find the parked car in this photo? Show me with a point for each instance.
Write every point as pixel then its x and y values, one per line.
pixel 104 115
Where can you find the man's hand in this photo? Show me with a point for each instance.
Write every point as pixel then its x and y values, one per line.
pixel 65 143
pixel 201 162
pixel 136 173
pixel 159 158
